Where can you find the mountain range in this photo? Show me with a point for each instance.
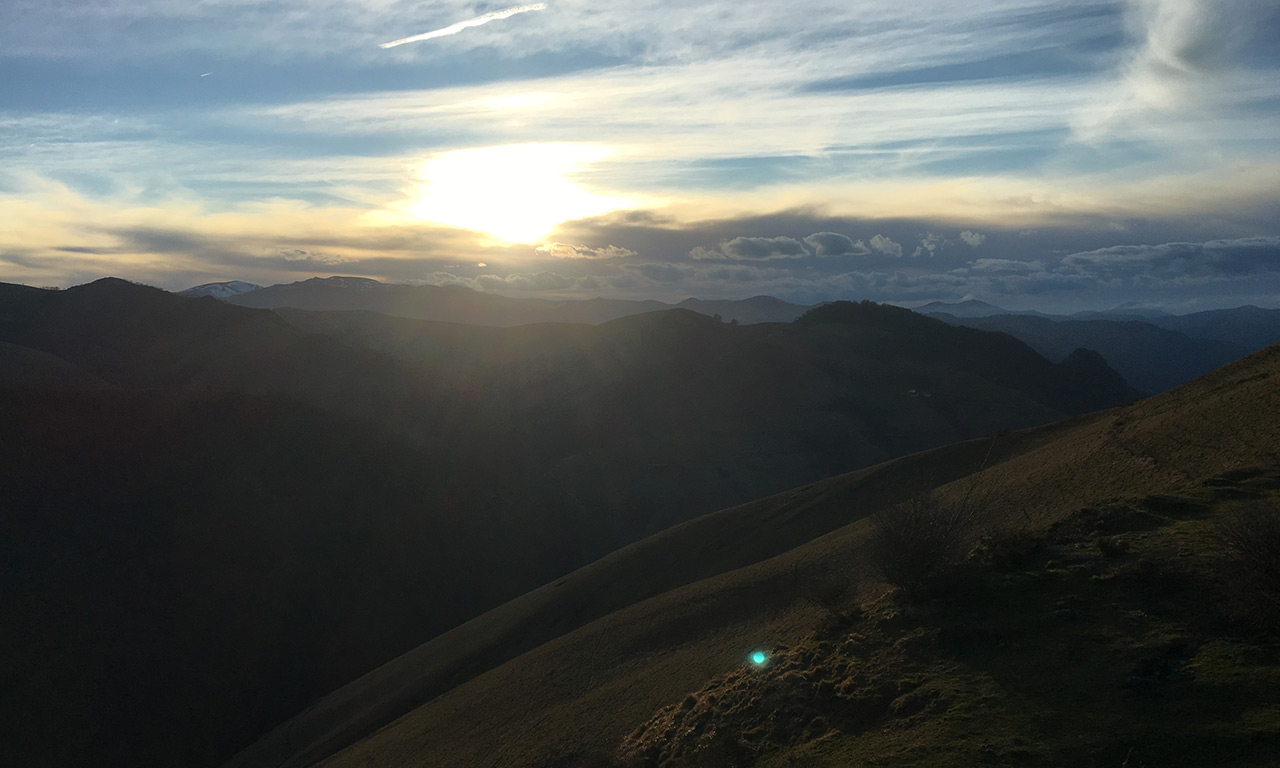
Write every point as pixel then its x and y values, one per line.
pixel 1153 349
pixel 450 303
pixel 218 514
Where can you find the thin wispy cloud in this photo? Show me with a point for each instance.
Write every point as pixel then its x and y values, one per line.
pixel 454 29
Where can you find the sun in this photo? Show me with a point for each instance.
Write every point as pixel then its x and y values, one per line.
pixel 516 193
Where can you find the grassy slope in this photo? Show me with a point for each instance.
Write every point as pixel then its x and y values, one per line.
pixel 698 549
pixel 582 692
pixel 1100 643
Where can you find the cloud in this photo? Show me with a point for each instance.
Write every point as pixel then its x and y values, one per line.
pixel 929 244
pixel 886 246
pixel 569 251
pixel 309 257
pixel 834 244
pixel 660 272
pixel 534 281
pixel 973 238
pixel 454 29
pixel 1005 265
pixel 1198 59
pixel 753 249
pixel 1235 257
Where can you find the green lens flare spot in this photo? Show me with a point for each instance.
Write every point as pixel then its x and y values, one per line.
pixel 759 658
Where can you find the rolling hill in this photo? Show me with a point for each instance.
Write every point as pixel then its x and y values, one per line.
pixel 1150 357
pixel 736 581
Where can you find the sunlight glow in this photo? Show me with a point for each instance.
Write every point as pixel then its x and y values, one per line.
pixel 516 193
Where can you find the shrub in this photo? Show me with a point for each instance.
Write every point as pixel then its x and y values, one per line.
pixel 1250 536
pixel 830 590
pixel 915 544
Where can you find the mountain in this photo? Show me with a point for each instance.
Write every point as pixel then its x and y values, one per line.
pixel 1253 327
pixel 214 514
pixel 220 290
pixel 723 413
pixel 134 336
pixel 1101 635
pixel 757 309
pixel 1128 311
pixel 462 305
pixel 1149 357
pixel 966 308
pixel 702 414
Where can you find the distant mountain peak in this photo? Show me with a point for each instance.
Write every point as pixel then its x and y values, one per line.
pixel 858 312
pixel 220 290
pixel 966 308
pixel 112 287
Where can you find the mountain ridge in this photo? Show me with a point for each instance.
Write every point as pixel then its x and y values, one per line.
pixel 453 303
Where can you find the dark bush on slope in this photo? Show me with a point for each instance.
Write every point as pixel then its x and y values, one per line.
pixel 917 544
pixel 1251 542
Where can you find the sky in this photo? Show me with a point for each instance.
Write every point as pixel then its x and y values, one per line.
pixel 1053 156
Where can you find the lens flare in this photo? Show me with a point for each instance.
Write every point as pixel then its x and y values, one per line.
pixel 759 658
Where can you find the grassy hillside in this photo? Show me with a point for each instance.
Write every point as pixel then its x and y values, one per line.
pixel 1103 641
pixel 698 549
pixel 576 698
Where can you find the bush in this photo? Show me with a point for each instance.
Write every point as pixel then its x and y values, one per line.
pixel 1250 536
pixel 831 591
pixel 916 544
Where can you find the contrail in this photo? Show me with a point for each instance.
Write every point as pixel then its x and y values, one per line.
pixel 454 29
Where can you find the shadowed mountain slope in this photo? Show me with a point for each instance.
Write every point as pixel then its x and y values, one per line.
pixel 181 570
pixel 727 413
pixel 1251 326
pixel 572 699
pixel 1150 358
pixel 23 368
pixel 700 414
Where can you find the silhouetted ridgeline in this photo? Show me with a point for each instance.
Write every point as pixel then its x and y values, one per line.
pixel 451 303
